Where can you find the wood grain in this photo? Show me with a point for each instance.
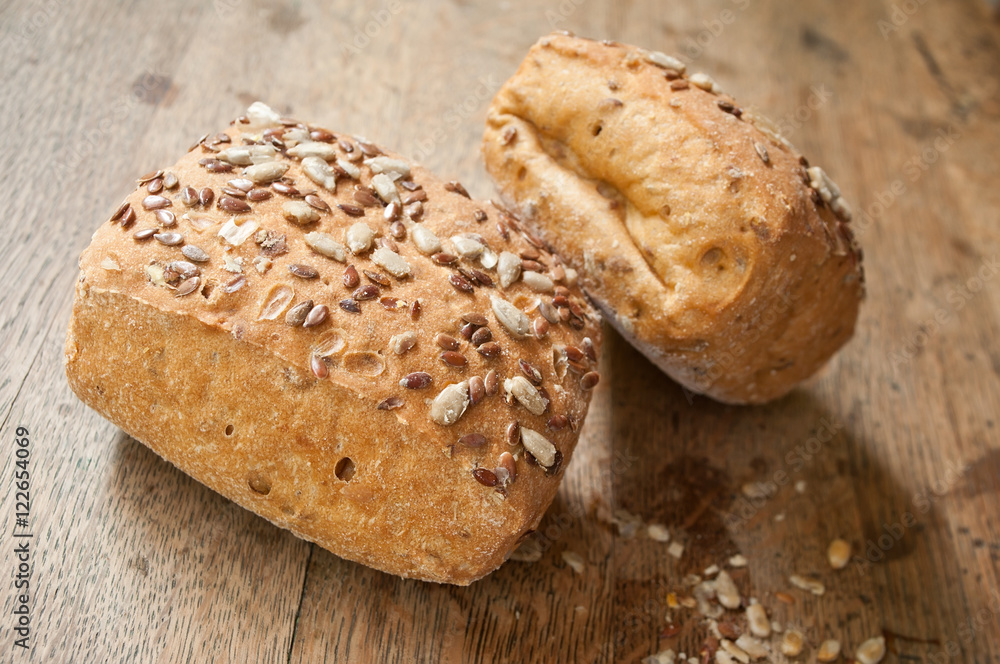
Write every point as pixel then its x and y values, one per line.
pixel 895 443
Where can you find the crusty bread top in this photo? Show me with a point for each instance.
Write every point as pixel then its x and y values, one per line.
pixel 433 302
pixel 702 233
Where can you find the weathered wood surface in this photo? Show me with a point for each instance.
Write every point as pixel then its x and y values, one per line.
pixel 895 443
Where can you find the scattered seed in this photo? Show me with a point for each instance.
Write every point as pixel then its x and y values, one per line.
pixel 762 152
pixel 514 434
pixel 758 621
pixel 392 403
pixel 871 651
pixel 828 651
pixel 303 271
pixel 391 262
pixel 351 210
pixel 120 212
pixel 324 244
pixel 467 330
pixel 318 203
pixel 392 303
pixel 187 286
pixel 492 382
pixel 144 234
pixel 298 212
pixel 397 230
pixel 359 237
pixel 149 176
pixel 526 394
pixel 839 553
pixel 784 598
pixel 456 187
pixel 803 583
pixel 257 195
pixel 236 193
pixel 791 643
pixel 415 310
pixel 726 591
pixel 350 306
pixel 508 268
pixel 442 258
pixel 417 380
pixel 128 218
pixel 286 190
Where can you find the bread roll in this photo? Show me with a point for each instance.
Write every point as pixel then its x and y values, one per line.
pixel 706 239
pixel 335 339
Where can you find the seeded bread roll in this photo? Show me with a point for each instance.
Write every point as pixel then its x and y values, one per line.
pixel 704 237
pixel 335 339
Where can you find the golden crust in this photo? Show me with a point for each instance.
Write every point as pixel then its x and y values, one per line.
pixel 251 407
pixel 693 225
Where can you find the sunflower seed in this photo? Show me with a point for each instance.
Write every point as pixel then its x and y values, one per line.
pixel 296 316
pixel 402 342
pixel 242 184
pixel 194 253
pixel 169 239
pixel 417 380
pixel 234 205
pixel 303 271
pixel 512 318
pixel 803 583
pixel 320 172
pixel 492 382
pixel 266 172
pixel 450 404
pixel 526 394
pixel 425 240
pixel 187 287
pixel 385 188
pixel 762 152
pixel 394 168
pixel 539 447
pixel 792 642
pixel 838 554
pixel 508 268
pixel 667 62
pixel 537 281
pixel 323 151
pixel 359 237
pixel 391 262
pixel 299 212
pixel 758 621
pixel 828 651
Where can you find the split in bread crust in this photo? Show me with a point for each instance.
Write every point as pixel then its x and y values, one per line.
pixel 704 237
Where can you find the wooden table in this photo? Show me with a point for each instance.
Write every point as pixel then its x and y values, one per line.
pixel 895 446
